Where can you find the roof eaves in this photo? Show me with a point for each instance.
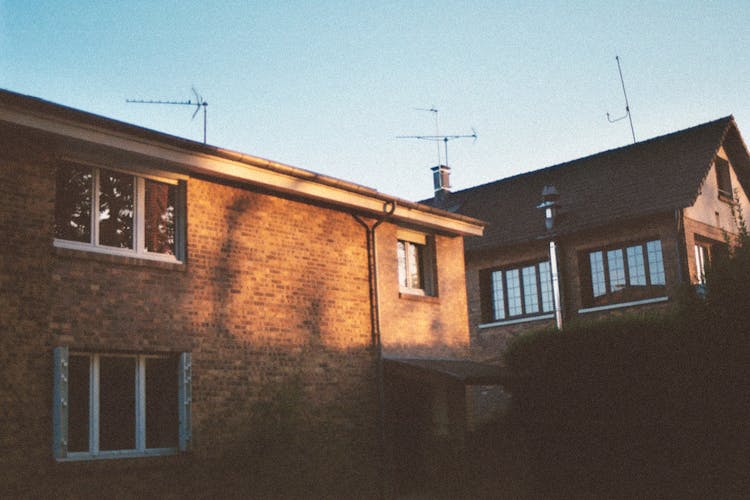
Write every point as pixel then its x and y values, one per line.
pixel 223 163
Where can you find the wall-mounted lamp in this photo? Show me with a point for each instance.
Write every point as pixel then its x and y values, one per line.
pixel 551 206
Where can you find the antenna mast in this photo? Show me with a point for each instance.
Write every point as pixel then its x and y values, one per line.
pixel 627 105
pixel 198 103
pixel 437 138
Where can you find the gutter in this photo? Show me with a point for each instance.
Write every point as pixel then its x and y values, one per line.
pixel 198 158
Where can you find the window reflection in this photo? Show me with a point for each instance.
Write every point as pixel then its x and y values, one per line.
pixel 116 209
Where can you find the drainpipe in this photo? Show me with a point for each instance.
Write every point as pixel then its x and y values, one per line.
pixel 681 247
pixel 372 270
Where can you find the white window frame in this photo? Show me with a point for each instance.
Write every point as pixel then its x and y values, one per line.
pixel 424 247
pixel 60 408
pixel 653 277
pixel 139 225
pixel 498 281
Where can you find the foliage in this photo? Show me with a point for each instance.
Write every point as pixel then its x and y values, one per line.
pixel 642 406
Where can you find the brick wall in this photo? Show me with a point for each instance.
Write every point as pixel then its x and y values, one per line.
pixel 273 296
pixel 423 326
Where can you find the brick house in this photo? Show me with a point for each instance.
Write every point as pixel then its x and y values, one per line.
pixel 632 225
pixel 156 292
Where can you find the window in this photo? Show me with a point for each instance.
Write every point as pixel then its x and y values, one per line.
pixel 723 179
pixel 416 263
pixel 630 272
pixel 705 252
pixel 111 405
pixel 117 212
pixel 517 292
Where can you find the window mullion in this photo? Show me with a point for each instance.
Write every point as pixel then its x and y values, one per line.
pixel 506 297
pixel 95 207
pixel 94 365
pixel 605 268
pixel 139 217
pixel 646 264
pixel 626 266
pixel 540 299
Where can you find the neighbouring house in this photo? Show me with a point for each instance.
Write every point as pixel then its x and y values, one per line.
pixel 158 296
pixel 631 225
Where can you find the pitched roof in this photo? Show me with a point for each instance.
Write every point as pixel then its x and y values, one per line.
pixel 193 157
pixel 654 176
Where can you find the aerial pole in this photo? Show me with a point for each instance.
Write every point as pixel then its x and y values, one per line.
pixel 198 103
pixel 627 104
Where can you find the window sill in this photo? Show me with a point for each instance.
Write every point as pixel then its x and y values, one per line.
pixel 623 304
pixel 102 255
pixel 114 455
pixel 417 295
pixel 507 322
pixel 726 198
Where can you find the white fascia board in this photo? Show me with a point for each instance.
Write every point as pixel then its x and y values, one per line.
pixel 252 170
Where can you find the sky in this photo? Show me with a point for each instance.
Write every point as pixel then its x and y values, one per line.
pixel 329 86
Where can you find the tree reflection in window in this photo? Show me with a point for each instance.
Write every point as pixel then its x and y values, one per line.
pixel 73 203
pixel 160 220
pixel 116 209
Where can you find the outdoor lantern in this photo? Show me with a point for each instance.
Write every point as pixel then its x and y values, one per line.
pixel 550 204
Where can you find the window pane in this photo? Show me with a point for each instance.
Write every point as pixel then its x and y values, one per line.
pixel 415 265
pixel 514 292
pixel 545 280
pixel 117 403
pixel 73 203
pixel 530 291
pixel 116 209
pixel 598 282
pixel 159 217
pixel 401 252
pixel 655 262
pixel 78 403
pixel 498 297
pixel 616 265
pixel 162 421
pixel 701 256
pixel 636 267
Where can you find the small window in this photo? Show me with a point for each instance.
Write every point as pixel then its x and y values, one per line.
pixel 517 292
pixel 109 405
pixel 116 212
pixel 628 272
pixel 724 179
pixel 705 252
pixel 416 263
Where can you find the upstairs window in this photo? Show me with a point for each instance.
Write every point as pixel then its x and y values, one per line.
pixel 517 292
pixel 724 179
pixel 416 263
pixel 623 274
pixel 117 212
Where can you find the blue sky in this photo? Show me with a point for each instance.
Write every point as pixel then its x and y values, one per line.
pixel 327 86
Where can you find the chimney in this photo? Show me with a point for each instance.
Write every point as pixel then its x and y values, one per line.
pixel 441 177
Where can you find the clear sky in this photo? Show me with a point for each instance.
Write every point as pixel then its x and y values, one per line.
pixel 327 85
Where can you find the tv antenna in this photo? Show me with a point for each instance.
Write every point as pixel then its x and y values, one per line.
pixel 437 138
pixel 627 105
pixel 198 103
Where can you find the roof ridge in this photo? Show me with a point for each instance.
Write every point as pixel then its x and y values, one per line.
pixel 728 119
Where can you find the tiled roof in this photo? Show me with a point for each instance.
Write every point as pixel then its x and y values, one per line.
pixel 654 176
